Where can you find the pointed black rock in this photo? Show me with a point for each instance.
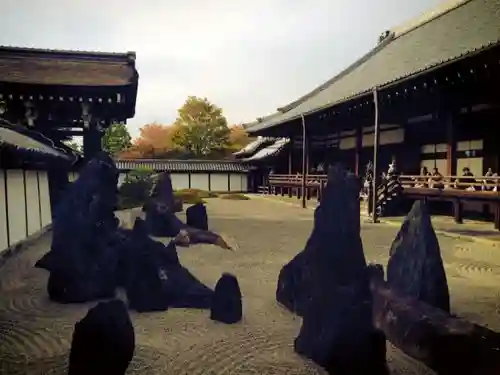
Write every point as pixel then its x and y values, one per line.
pixel 160 209
pixel 153 277
pixel 331 286
pixel 334 246
pixel 196 216
pixel 103 341
pixel 83 260
pixel 415 266
pixel 226 302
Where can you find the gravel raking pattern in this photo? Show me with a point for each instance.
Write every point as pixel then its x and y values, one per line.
pixel 35 333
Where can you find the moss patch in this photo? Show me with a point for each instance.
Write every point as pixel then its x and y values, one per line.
pixel 235 197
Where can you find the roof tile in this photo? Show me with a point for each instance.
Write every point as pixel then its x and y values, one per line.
pixel 469 27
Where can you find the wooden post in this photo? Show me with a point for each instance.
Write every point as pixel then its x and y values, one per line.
pixel 451 153
pixel 359 147
pixel 375 156
pixel 290 155
pixel 91 142
pixel 304 161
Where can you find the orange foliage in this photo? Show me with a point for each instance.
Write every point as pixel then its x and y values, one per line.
pixel 155 139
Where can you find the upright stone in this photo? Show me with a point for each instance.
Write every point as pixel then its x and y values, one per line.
pixel 226 302
pixel 160 209
pixel 333 286
pixel 415 268
pixel 83 260
pixel 196 216
pixel 103 341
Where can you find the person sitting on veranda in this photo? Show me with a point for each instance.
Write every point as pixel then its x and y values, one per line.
pixel 424 177
pixel 487 183
pixel 436 179
pixel 466 181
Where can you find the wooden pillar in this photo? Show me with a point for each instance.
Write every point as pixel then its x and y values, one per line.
pixel 375 156
pixel 451 150
pixel 359 147
pixel 290 156
pixel 91 142
pixel 304 161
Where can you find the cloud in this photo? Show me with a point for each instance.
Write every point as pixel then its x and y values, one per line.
pixel 249 57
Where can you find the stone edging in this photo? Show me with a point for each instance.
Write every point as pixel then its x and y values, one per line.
pixel 23 244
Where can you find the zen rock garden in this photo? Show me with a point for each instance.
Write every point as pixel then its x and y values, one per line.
pixel 349 310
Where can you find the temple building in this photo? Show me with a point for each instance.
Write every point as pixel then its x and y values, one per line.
pixel 426 95
pixel 47 97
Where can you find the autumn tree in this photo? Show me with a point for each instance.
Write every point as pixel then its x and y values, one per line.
pixel 116 139
pixel 238 137
pixel 154 141
pixel 201 127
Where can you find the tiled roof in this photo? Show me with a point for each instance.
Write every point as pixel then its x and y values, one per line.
pixel 12 137
pixel 467 27
pixel 66 68
pixel 271 150
pixel 253 146
pixel 159 165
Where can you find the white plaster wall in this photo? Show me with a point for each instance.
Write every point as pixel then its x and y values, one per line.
pixel 43 183
pixel 32 202
pixel 3 214
pixel 219 182
pixel 16 206
pixel 235 182
pixel 244 182
pixel 199 181
pixel 180 181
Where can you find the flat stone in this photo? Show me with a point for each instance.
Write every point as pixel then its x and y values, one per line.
pixel 196 216
pixel 155 280
pixel 415 268
pixel 103 341
pixel 226 302
pixel 445 343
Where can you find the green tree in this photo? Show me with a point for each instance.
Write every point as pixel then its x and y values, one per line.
pixel 116 139
pixel 201 128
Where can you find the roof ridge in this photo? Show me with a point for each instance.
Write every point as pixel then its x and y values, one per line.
pixel 80 55
pixel 175 160
pixel 433 15
pixel 339 75
pixel 373 51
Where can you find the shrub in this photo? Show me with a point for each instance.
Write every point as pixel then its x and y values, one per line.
pixel 235 197
pixel 203 194
pixel 189 196
pixel 135 189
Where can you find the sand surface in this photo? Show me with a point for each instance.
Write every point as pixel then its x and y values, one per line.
pixel 35 334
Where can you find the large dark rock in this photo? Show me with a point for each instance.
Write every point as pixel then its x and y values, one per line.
pixel 292 289
pixel 445 343
pixel 415 268
pixel 103 341
pixel 83 259
pixel 196 216
pixel 226 302
pixel 162 222
pixel 329 285
pixel 160 209
pixel 333 247
pixel 155 280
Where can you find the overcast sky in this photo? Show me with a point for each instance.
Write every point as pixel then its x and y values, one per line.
pixel 248 57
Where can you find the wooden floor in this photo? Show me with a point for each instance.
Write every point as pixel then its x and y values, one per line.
pixel 35 333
